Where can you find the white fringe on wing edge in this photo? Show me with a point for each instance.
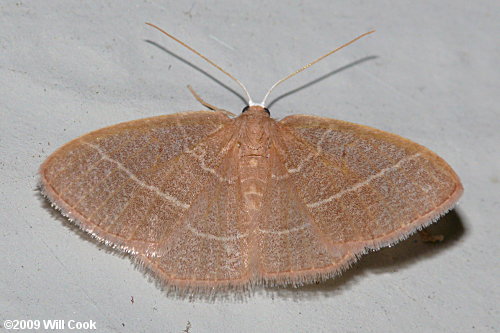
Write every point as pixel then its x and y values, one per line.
pixel 240 288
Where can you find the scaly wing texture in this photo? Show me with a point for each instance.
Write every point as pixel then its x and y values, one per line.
pixel 338 189
pixel 209 249
pixel 168 189
pixel 291 247
pixel 130 183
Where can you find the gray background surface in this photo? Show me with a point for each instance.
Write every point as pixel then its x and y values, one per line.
pixel 430 74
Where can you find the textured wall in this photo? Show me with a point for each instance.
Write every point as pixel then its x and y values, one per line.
pixel 430 74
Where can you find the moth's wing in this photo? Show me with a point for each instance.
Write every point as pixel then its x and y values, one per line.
pixel 209 248
pixel 129 184
pixel 349 188
pixel 291 248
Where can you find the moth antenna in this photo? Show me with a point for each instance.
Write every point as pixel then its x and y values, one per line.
pixel 250 102
pixel 310 64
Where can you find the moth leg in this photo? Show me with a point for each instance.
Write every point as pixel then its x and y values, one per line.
pixel 427 237
pixel 207 105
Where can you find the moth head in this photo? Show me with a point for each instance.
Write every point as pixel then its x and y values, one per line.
pixel 256 109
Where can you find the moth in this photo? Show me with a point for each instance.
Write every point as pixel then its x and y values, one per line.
pixel 208 200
